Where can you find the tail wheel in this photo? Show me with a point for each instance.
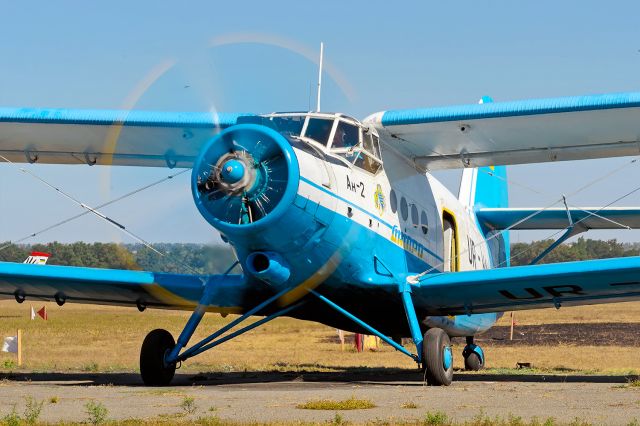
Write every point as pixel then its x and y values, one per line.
pixel 437 357
pixel 153 369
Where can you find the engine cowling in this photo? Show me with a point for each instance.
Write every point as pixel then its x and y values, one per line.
pixel 244 179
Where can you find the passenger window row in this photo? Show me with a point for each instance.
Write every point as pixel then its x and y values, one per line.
pixel 418 220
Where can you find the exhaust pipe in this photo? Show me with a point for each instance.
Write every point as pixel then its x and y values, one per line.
pixel 268 266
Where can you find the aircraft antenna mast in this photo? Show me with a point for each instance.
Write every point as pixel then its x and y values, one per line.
pixel 320 76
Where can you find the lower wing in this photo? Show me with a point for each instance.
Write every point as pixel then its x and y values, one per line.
pixel 560 218
pixel 467 292
pixel 529 287
pixel 119 287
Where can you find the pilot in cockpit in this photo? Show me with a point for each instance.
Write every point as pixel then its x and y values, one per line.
pixel 346 136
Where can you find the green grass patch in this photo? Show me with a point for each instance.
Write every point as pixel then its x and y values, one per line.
pixel 631 383
pixel 436 419
pixel 552 371
pixel 329 404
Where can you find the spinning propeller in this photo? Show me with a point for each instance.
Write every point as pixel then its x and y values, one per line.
pixel 243 174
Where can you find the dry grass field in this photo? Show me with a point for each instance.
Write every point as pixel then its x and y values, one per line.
pixel 96 338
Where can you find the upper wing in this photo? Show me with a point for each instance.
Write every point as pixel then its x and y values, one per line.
pixel 558 218
pixel 107 137
pixel 529 287
pixel 530 131
pixel 120 287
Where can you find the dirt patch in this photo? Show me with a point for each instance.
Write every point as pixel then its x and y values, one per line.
pixel 597 334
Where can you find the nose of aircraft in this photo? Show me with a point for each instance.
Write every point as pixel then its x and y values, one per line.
pixel 244 177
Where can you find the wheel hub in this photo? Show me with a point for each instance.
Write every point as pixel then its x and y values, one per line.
pixel 447 357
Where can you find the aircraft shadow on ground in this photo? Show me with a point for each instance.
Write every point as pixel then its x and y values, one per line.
pixel 362 375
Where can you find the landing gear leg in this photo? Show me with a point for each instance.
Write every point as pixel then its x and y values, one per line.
pixel 437 357
pixel 153 368
pixel 160 353
pixel 473 356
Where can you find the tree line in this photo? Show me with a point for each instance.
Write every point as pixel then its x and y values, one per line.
pixel 173 257
pixel 215 259
pixel 581 249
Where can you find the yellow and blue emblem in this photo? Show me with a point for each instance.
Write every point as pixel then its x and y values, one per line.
pixel 378 198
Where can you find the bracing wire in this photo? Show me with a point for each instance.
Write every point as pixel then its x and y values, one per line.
pixel 108 203
pixel 102 216
pixel 415 278
pixel 577 222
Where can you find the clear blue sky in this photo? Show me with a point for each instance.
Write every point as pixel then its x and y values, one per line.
pixel 254 56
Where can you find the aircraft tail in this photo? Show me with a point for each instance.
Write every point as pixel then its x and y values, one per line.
pixel 487 187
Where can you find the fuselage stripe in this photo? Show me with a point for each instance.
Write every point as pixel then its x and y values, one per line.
pixel 315 185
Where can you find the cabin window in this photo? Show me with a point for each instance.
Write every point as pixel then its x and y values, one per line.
pixel 404 209
pixel 424 223
pixel 414 216
pixel 319 129
pixel 393 200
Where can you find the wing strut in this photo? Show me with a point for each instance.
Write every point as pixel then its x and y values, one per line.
pixel 366 326
pixel 209 342
pixel 573 229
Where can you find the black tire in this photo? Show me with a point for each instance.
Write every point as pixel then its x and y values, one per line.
pixel 434 345
pixel 473 362
pixel 153 370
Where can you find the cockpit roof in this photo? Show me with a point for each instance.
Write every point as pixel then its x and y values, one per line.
pixel 314 114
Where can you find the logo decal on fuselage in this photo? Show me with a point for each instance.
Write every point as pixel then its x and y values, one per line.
pixel 409 244
pixel 378 199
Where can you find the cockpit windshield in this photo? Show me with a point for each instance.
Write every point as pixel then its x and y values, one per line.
pixel 319 129
pixel 289 125
pixel 346 136
pixel 356 144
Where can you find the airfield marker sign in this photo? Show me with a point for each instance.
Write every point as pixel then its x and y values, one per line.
pixel 13 344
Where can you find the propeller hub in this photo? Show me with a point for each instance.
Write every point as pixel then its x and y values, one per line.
pixel 232 171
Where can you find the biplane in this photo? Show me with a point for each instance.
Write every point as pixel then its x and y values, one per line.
pixel 340 221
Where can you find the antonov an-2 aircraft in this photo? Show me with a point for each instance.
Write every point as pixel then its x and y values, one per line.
pixel 339 221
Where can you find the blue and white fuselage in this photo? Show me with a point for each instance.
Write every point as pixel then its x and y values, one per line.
pixel 351 214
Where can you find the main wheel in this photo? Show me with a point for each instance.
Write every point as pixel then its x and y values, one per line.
pixel 153 369
pixel 437 357
pixel 473 362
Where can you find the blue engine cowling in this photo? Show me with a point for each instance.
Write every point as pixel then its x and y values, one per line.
pixel 245 184
pixel 244 179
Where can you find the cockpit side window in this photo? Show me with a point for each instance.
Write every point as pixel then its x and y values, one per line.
pixel 376 146
pixel 370 143
pixel 346 136
pixel 319 129
pixel 367 162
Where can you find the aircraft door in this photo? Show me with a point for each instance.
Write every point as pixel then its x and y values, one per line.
pixel 450 242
